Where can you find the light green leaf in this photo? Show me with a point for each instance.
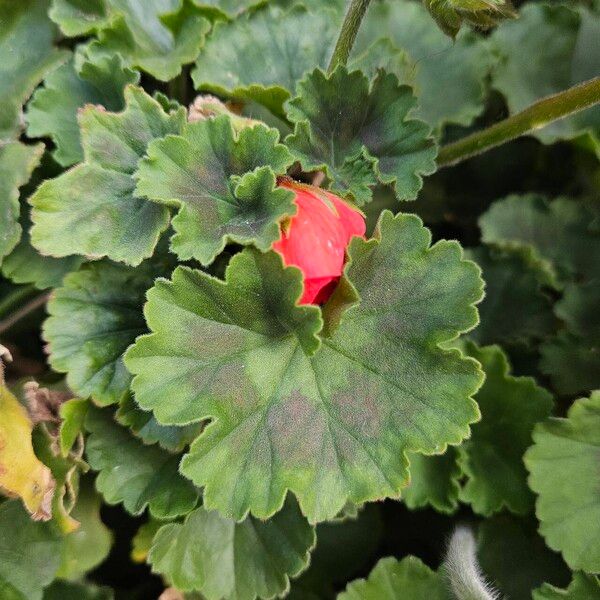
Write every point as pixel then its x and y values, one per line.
pixel 69 590
pixel 375 139
pixel 515 309
pixel 88 546
pixel 583 587
pixel 53 109
pixel 26 37
pixel 72 414
pixel 492 458
pixel 571 55
pixel 449 78
pixel 92 209
pixel 145 426
pixel 514 557
pixel 563 467
pixel 433 482
pixel 261 55
pixel 134 474
pixel 224 185
pixel 398 580
pixel 17 162
pixel 30 551
pixel 156 36
pixel 331 423
pixel 227 560
pixel 93 318
pixel 571 359
pixel 557 232
pixel 78 17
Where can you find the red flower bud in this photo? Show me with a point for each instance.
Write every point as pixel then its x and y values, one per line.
pixel 316 237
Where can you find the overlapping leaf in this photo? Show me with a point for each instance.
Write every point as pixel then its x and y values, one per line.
pixel 224 184
pixel 396 580
pixel 261 56
pixel 583 587
pixel 31 553
pixel 134 474
pixel 558 232
pixel 571 358
pixel 563 467
pixel 362 136
pixel 449 78
pixel 227 560
pixel 492 458
pixel 17 162
pixel 158 36
pixel 93 209
pixel 26 47
pixel 94 317
pixel 515 308
pixel 571 55
pixel 330 421
pixel 53 109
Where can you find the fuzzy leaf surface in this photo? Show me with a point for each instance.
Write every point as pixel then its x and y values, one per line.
pixel 223 184
pixel 329 420
pixel 492 458
pixel 233 561
pixel 134 474
pixel 362 136
pixel 53 109
pixel 563 467
pixel 92 209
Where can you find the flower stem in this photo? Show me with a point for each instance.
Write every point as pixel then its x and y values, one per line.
pixel 352 20
pixel 536 116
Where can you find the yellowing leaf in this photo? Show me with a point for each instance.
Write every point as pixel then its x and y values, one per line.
pixel 21 473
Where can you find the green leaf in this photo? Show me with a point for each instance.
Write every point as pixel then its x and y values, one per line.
pixel 583 587
pixel 571 359
pixel 227 560
pixel 398 580
pixel 145 426
pixel 88 546
pixel 331 423
pixel 31 553
pixel 156 36
pixel 72 414
pixel 515 309
pixel 557 233
pixel 261 55
pixel 134 474
pixel 483 14
pixel 17 162
pixel 93 318
pixel 514 557
pixel 433 482
pixel 563 467
pixel 492 458
pixel 53 109
pixel 571 55
pixel 375 141
pixel 449 78
pixel 78 17
pixel 93 209
pixel 69 590
pixel 142 540
pixel 26 38
pixel 224 186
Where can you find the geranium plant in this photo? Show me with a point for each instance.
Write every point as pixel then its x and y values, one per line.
pixel 299 298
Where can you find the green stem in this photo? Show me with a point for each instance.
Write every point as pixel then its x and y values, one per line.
pixel 345 41
pixel 536 116
pixel 15 299
pixel 14 308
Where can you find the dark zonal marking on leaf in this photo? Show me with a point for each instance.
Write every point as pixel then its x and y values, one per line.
pixel 333 426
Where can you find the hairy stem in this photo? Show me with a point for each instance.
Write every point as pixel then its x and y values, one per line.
pixel 352 20
pixel 536 116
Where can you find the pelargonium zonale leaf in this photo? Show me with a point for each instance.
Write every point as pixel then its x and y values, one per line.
pixel 329 419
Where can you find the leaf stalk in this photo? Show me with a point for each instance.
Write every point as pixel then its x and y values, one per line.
pixel 345 42
pixel 536 116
